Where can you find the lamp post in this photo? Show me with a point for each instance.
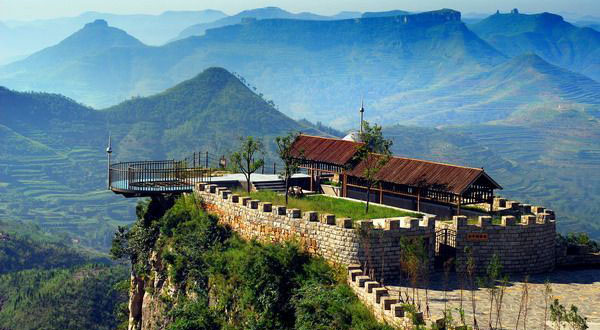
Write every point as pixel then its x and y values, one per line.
pixel 108 152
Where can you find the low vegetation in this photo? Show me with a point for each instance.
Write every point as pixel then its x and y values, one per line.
pixel 342 208
pixel 226 282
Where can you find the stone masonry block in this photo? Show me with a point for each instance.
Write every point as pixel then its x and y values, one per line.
pixel 508 220
pixel 361 280
pixel 459 221
pixel 267 207
pixel 501 202
pixel 528 219
pixel 370 285
pixel 526 208
pixel 235 198
pixel 379 293
pixel 355 273
pixel 328 219
pixel 201 186
pixel 353 267
pixel 537 209
pixel 387 302
pixel 225 194
pixel 392 224
pixel 246 200
pixel 414 223
pixel 312 216
pixel 280 210
pixel 294 213
pixel 365 224
pixel 513 205
pixel 212 188
pixel 485 221
pixel 254 204
pixel 397 310
pixel 344 223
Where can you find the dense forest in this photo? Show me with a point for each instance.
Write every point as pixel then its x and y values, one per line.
pixel 47 283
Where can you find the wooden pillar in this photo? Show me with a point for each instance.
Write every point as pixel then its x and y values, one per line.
pixel 344 185
pixel 380 193
pixel 311 171
pixel 418 199
pixel 459 202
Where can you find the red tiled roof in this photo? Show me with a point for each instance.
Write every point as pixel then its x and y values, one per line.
pixel 325 150
pixel 415 172
pixel 399 170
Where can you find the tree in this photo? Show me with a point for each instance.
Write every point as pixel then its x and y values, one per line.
pixel 374 153
pixel 291 158
pixel 244 157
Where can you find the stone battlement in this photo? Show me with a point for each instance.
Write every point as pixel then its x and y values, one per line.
pixel 527 246
pixel 372 243
pixel 524 246
pixel 387 308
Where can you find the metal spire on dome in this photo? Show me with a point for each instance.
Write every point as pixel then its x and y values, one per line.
pixel 362 111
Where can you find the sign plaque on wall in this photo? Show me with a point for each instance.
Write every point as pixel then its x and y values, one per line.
pixel 477 237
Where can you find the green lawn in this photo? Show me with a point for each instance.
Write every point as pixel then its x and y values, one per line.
pixel 342 208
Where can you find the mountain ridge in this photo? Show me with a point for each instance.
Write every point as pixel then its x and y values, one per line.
pixel 548 35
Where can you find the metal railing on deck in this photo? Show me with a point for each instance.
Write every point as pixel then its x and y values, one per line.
pixel 162 176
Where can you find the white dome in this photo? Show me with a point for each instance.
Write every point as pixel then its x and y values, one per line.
pixel 352 136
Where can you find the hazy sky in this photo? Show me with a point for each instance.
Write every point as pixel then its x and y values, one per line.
pixel 34 9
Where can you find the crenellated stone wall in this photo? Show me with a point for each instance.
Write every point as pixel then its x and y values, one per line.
pixel 386 308
pixel 375 244
pixel 523 247
pixel 526 247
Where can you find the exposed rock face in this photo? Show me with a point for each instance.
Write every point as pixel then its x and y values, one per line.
pixel 149 296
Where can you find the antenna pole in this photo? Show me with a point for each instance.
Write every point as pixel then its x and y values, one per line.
pixel 108 152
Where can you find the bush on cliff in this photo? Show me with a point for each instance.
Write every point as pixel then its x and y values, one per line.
pixel 223 281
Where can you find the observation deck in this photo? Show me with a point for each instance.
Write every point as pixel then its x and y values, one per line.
pixel 152 178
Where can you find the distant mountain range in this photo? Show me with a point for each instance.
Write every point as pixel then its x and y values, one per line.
pixel 547 35
pixel 426 68
pixel 24 38
pixel 259 13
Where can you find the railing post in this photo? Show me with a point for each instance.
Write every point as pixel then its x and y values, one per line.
pixel 207 159
pixel 274 171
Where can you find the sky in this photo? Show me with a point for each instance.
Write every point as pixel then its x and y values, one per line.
pixel 39 9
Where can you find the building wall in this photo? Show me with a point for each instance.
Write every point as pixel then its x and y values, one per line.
pixel 340 241
pixel 527 247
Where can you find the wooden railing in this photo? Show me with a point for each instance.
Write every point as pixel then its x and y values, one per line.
pixel 155 177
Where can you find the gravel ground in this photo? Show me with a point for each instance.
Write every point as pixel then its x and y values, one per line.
pixel 578 287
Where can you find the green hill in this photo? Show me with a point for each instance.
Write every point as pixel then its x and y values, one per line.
pixel 547 35
pixel 208 112
pixel 52 161
pixel 48 283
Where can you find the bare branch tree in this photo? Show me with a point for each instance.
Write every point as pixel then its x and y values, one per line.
pixel 244 157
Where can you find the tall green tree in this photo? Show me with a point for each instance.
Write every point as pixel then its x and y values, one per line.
pixel 244 157
pixel 292 158
pixel 374 154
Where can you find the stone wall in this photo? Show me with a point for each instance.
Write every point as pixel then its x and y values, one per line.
pixel 386 308
pixel 526 247
pixel 375 244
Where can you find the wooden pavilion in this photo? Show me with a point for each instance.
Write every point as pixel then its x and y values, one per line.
pixel 400 179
